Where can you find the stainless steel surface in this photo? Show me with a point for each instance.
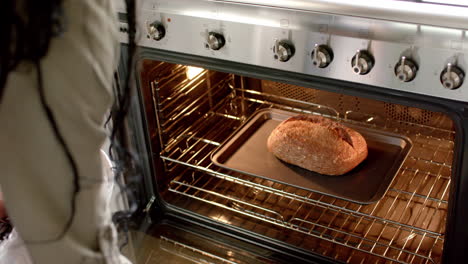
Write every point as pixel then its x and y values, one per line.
pixel 402 11
pixel 452 77
pixel 362 62
pixel 246 152
pixel 406 69
pixel 406 226
pixel 322 56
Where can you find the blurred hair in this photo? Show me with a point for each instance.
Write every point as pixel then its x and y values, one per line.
pixel 27 27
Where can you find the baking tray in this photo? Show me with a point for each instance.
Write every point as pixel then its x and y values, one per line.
pixel 246 152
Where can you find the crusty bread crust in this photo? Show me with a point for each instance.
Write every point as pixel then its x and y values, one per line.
pixel 318 144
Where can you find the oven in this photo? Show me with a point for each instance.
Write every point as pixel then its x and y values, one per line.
pixel 207 69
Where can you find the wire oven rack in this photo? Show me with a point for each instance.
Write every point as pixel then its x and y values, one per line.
pixel 406 226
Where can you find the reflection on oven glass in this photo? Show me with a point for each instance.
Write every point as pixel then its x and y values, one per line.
pixel 221 218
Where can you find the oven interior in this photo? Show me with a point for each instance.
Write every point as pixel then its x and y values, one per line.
pixel 190 111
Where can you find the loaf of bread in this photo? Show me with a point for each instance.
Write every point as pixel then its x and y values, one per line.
pixel 318 144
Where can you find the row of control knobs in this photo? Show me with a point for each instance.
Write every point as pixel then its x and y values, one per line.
pixel 157 31
pixel 322 55
pixel 363 61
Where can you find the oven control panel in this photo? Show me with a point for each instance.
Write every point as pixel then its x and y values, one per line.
pixel 414 58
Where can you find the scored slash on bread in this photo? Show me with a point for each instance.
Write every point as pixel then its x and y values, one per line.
pixel 318 144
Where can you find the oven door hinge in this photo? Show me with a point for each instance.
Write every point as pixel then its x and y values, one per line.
pixel 152 211
pixel 149 205
pixel 145 218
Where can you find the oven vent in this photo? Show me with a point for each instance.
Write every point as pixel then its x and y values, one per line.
pixel 409 114
pixel 290 91
pixel 345 104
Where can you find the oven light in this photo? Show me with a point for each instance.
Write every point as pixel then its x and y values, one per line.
pixel 193 72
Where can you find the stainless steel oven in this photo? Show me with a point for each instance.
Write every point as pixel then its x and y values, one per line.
pixel 206 67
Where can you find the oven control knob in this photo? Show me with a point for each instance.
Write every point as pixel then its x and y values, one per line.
pixel 405 69
pixel 216 41
pixel 156 31
pixel 452 77
pixel 283 50
pixel 322 56
pixel 362 62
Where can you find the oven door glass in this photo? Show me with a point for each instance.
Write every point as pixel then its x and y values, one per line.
pixel 191 111
pixel 172 242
